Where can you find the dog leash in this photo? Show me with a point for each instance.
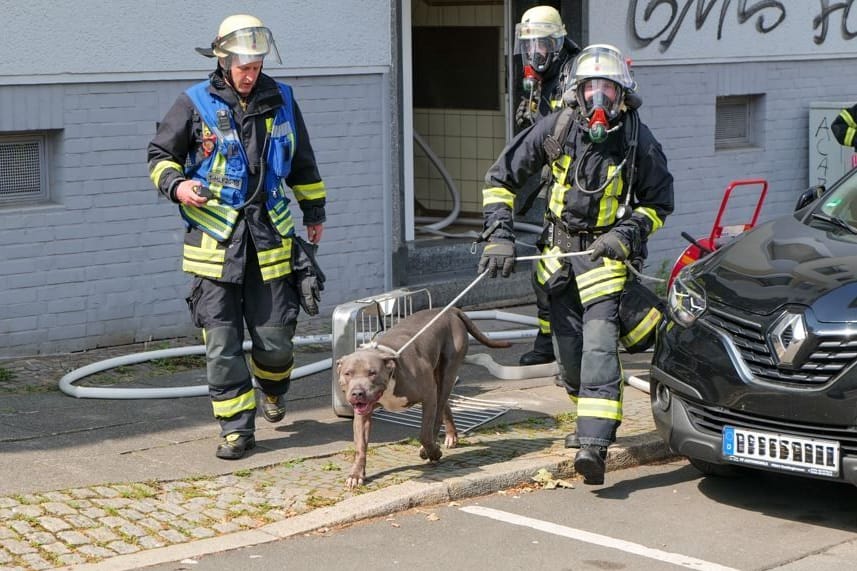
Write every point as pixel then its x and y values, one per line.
pixel 482 275
pixel 471 285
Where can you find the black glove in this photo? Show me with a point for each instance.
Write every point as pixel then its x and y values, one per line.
pixel 524 114
pixel 499 255
pixel 310 294
pixel 620 243
pixel 310 278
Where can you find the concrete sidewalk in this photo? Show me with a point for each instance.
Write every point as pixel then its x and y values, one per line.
pixel 122 484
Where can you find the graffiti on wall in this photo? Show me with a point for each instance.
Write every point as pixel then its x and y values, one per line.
pixel 828 160
pixel 673 16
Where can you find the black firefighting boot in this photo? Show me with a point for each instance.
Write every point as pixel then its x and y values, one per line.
pixel 542 352
pixel 274 407
pixel 571 440
pixel 591 463
pixel 235 445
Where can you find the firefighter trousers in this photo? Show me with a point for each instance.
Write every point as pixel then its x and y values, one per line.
pixel 270 311
pixel 586 344
pixel 543 343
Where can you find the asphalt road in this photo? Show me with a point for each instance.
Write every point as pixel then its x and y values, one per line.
pixel 653 517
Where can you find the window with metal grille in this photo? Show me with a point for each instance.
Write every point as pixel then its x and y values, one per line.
pixel 22 170
pixel 734 118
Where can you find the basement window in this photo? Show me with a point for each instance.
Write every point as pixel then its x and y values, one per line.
pixel 23 169
pixel 736 118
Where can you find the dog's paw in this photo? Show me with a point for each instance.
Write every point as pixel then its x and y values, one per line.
pixel 353 481
pixel 451 440
pixel 433 455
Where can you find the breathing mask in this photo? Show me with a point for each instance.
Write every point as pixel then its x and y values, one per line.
pixel 531 80
pixel 599 80
pixel 600 101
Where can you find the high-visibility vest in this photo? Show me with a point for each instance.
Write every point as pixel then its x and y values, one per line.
pixel 225 170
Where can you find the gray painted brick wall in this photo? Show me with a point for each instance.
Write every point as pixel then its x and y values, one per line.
pixel 678 105
pixel 100 265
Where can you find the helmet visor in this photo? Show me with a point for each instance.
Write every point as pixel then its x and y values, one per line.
pixel 247 45
pixel 599 93
pixel 538 52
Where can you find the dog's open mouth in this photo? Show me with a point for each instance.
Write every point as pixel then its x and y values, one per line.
pixel 361 407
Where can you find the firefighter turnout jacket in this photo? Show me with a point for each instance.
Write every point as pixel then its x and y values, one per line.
pixel 586 195
pixel 592 184
pixel 245 153
pixel 844 127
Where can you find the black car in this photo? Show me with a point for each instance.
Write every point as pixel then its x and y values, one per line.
pixel 756 365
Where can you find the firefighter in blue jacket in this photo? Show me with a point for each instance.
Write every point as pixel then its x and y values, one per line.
pixel 225 153
pixel 611 190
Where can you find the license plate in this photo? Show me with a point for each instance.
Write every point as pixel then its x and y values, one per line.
pixel 781 451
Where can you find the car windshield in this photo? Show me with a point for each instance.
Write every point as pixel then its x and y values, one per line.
pixel 841 203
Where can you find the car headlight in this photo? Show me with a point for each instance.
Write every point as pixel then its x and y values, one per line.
pixel 686 300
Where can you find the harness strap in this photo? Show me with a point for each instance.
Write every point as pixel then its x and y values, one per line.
pixel 554 142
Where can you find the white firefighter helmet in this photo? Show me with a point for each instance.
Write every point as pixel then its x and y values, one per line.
pixel 539 37
pixel 243 39
pixel 599 77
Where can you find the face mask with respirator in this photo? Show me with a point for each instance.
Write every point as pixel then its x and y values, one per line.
pixel 599 104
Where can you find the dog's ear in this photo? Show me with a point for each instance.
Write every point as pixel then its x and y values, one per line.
pixel 338 366
pixel 390 363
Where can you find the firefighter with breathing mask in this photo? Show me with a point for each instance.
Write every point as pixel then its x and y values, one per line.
pixel 547 54
pixel 611 190
pixel 225 153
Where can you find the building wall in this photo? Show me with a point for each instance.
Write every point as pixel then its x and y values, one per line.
pixel 46 41
pixel 682 65
pixel 99 263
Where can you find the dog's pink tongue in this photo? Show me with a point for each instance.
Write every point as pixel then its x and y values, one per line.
pixel 362 408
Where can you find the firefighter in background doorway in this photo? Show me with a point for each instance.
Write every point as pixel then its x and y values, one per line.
pixel 225 153
pixel 546 55
pixel 611 190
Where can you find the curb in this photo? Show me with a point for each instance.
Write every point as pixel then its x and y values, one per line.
pixel 634 451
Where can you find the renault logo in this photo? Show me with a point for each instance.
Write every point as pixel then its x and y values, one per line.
pixel 787 335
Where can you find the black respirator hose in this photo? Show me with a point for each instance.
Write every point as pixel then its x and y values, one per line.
pixel 261 182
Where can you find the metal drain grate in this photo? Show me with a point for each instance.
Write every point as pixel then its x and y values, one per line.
pixel 467 412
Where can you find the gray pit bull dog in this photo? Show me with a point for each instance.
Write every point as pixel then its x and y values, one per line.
pixel 424 373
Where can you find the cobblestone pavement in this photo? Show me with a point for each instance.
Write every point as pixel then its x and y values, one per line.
pixel 86 525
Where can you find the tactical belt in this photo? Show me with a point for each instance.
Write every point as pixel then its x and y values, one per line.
pixel 575 241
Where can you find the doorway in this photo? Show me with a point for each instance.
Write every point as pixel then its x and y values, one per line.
pixel 460 99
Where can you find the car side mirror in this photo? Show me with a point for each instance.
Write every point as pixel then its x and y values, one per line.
pixel 809 196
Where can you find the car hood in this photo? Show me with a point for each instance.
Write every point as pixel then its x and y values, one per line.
pixel 785 262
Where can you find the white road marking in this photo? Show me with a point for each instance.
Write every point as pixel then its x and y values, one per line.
pixel 597 539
